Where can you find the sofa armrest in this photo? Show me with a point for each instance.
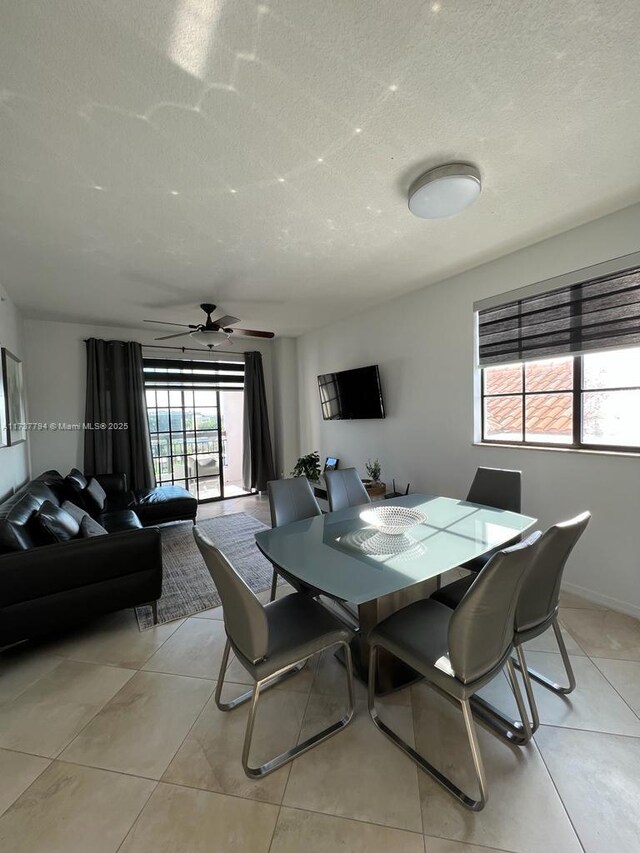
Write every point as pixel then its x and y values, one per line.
pixel 25 575
pixel 113 483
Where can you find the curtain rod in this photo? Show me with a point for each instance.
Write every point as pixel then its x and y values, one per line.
pixel 186 349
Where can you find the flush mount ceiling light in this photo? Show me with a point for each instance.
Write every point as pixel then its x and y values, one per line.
pixel 444 191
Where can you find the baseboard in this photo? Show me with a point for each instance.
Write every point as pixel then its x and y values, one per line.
pixel 605 600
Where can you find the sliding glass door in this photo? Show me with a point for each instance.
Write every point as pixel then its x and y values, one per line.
pixel 196 437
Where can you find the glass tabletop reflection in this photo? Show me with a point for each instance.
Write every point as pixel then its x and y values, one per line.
pixel 348 559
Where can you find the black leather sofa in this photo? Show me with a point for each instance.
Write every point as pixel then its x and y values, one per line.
pixel 46 586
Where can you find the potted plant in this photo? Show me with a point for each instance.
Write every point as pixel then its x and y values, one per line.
pixel 308 466
pixel 373 485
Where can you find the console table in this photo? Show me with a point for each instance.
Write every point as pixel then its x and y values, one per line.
pixel 320 490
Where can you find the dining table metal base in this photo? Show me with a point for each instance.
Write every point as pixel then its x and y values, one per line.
pixel 392 674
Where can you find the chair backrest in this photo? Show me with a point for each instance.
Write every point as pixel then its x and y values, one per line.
pixel 291 500
pixel 244 618
pixel 482 625
pixel 497 487
pixel 345 488
pixel 540 593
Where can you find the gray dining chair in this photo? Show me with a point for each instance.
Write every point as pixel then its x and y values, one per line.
pixel 290 500
pixel 271 642
pixel 497 487
pixel 345 489
pixel 537 611
pixel 500 488
pixel 458 652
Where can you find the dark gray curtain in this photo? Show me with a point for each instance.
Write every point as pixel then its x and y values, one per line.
pixel 257 463
pixel 115 395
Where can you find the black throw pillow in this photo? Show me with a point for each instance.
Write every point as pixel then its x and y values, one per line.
pixel 56 522
pixel 94 497
pixel 89 527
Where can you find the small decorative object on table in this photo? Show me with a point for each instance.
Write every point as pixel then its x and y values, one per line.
pixel 374 487
pixel 308 466
pixel 393 520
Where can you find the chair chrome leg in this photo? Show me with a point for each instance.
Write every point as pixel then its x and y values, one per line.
pixel 529 689
pixel 299 749
pixel 423 764
pixel 228 706
pixel 244 697
pixel 476 755
pixel 517 732
pixel 547 682
pixel 274 586
pixel 524 714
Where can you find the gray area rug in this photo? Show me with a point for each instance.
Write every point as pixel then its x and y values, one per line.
pixel 187 587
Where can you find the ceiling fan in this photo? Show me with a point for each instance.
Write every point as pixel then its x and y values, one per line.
pixel 211 333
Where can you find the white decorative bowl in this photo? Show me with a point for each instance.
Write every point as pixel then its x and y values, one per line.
pixel 393 520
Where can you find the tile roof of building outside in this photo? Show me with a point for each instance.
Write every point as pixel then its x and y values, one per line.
pixel 546 414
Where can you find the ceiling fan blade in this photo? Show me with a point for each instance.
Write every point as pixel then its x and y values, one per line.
pixel 253 333
pixel 168 337
pixel 225 321
pixel 166 323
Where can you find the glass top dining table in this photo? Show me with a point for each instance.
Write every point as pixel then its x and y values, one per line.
pixel 349 560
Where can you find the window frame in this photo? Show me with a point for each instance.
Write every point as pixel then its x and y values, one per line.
pixel 577 392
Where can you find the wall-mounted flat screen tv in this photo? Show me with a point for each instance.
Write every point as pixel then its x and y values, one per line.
pixel 351 394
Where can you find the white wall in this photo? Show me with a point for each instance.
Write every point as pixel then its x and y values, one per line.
pixel 423 343
pixel 56 365
pixel 14 461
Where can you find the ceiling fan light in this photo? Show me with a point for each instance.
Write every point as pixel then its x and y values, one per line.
pixel 444 191
pixel 211 338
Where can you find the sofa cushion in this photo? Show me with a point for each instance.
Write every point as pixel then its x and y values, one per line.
pixel 119 500
pixel 78 477
pixel 75 511
pixel 164 503
pixel 95 496
pixel 50 475
pixel 74 492
pixel 19 529
pixel 42 492
pixel 55 481
pixel 123 519
pixel 56 522
pixel 90 527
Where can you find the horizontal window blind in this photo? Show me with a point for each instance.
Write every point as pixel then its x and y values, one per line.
pixel 600 313
pixel 216 375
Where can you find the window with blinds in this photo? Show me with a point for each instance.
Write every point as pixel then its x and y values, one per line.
pixel 561 367
pixel 603 313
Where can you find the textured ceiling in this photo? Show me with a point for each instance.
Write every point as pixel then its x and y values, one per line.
pixel 154 153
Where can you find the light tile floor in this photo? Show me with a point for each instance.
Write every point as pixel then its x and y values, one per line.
pixel 110 741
